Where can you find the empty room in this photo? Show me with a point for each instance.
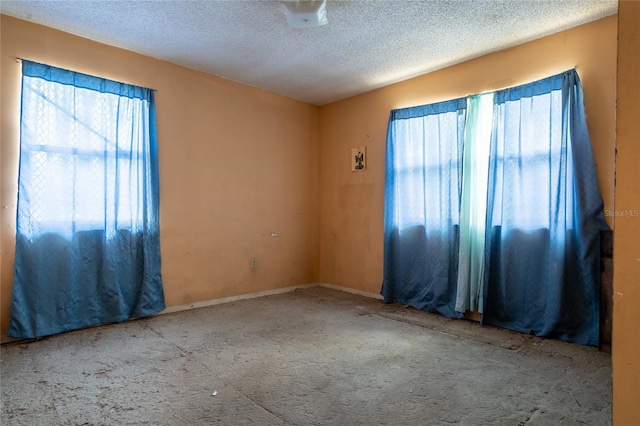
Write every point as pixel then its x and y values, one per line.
pixel 320 212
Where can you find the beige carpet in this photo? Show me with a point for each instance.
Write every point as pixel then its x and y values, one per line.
pixel 310 357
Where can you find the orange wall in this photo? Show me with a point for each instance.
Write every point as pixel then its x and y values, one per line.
pixel 351 206
pixel 626 250
pixel 236 163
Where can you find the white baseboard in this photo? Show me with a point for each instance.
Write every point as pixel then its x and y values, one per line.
pixel 6 339
pixel 352 291
pixel 212 302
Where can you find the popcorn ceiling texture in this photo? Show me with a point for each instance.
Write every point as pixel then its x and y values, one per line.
pixel 366 45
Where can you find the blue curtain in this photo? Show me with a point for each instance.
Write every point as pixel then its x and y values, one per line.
pixel 423 184
pixel 539 250
pixel 87 243
pixel 545 214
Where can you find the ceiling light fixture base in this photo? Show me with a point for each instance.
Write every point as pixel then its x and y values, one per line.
pixel 305 13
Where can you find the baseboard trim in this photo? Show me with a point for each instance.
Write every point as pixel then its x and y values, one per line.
pixel 351 290
pixel 6 339
pixel 212 302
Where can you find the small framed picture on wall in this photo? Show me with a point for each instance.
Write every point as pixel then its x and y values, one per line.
pixel 358 159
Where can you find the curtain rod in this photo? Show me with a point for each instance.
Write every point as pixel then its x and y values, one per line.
pixel 18 59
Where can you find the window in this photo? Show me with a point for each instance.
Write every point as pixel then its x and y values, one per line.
pixel 529 149
pixel 492 205
pixel 80 148
pixel 418 163
pixel 87 244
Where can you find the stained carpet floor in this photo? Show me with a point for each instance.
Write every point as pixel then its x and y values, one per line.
pixel 310 357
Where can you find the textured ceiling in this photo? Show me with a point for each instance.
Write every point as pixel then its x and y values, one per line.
pixel 367 44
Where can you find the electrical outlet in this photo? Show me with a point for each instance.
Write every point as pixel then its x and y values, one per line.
pixel 254 262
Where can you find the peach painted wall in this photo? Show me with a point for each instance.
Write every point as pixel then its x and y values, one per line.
pixel 351 206
pixel 236 163
pixel 626 250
